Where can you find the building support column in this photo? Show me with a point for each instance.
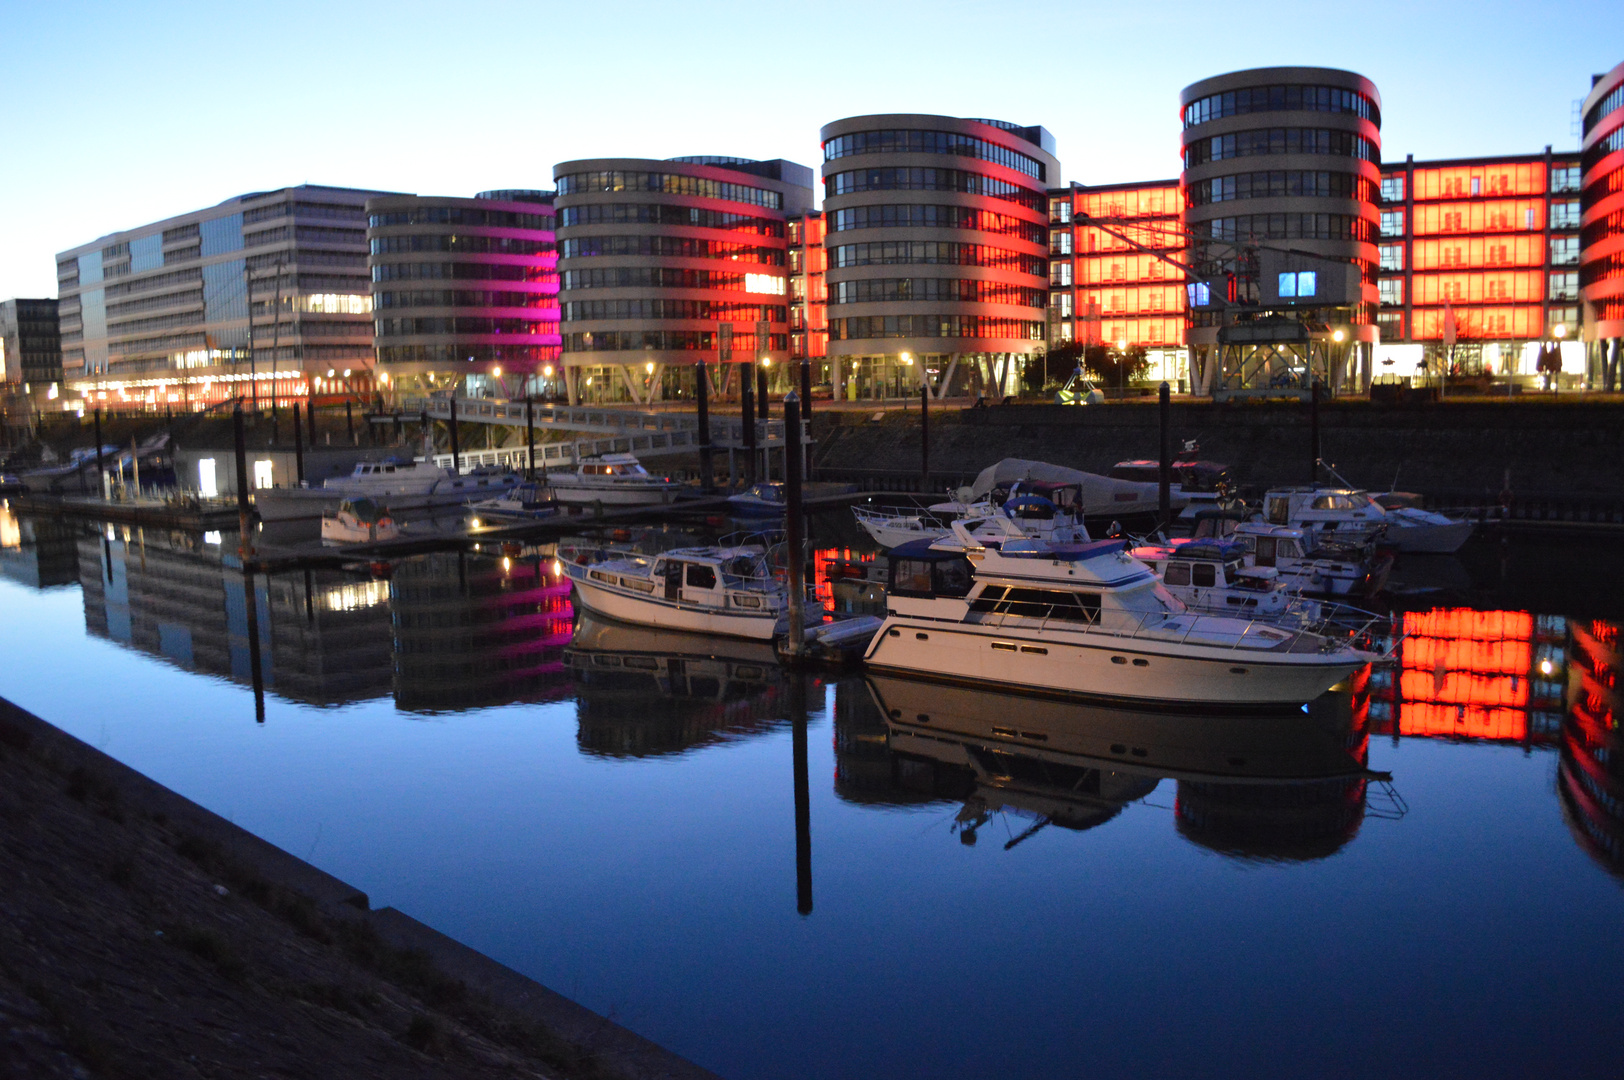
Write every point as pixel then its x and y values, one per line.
pixel 947 376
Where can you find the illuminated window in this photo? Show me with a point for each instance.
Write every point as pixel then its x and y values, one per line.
pixel 1392 189
pixel 1564 250
pixel 1564 178
pixel 1392 256
pixel 1060 242
pixel 334 304
pixel 1298 284
pixel 1564 215
pixel 263 475
pixel 1391 290
pixel 206 483
pixel 1200 293
pixel 764 283
pixel 1392 223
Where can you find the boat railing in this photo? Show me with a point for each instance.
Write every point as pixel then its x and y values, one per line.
pixel 1257 634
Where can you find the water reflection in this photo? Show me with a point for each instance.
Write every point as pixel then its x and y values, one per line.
pixel 1590 776
pixel 1278 784
pixel 642 691
pixel 41 553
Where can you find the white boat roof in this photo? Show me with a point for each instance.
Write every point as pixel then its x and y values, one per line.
pixel 1099 493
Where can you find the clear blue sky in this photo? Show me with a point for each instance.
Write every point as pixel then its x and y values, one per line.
pixel 119 114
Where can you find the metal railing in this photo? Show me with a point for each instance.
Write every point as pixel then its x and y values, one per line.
pixel 726 431
pixel 1163 627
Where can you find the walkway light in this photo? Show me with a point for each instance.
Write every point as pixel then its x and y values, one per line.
pixel 547 372
pixel 1560 330
pixel 907 359
pixel 649 367
pixel 496 372
pixel 1339 335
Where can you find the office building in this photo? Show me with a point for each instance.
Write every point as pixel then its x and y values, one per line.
pixel 464 293
pixel 30 360
pixel 1281 175
pixel 809 294
pixel 1488 247
pixel 663 264
pixel 159 316
pixel 937 252
pixel 1601 238
pixel 1117 271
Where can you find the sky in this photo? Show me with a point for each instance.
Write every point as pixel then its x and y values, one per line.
pixel 118 114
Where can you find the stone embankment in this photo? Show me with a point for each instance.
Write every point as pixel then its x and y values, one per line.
pixel 1453 452
pixel 142 936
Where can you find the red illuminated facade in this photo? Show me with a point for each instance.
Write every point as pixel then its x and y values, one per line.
pixel 1492 242
pixel 1601 240
pixel 808 293
pixel 1590 778
pixel 1104 289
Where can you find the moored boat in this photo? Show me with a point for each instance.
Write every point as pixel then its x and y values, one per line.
pixel 398 485
pixel 523 502
pixel 759 500
pixel 358 521
pixel 1086 619
pixel 1349 514
pixel 1033 515
pixel 613 480
pixel 724 589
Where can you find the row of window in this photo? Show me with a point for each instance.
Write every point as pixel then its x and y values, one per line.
pixel 459 271
pixel 465 298
pixel 1605 107
pixel 1487 252
pixel 1281 183
pixel 461 215
pixel 461 245
pixel 958 290
pixel 583 310
pixel 338 211
pixel 1287 98
pixel 1264 141
pixel 1285 227
pixel 152 303
pixel 669 277
pixel 927 179
pixel 923 252
pixel 932 142
pixel 1507 216
pixel 744 344
pixel 1464 181
pixel 861 327
pixel 672 247
pixel 1605 268
pixel 462 324
pixel 1609 144
pixel 666 214
pixel 156 282
pixel 910 216
pixel 1525 286
pixel 304 234
pixel 1602 229
pixel 450 354
pixel 615 180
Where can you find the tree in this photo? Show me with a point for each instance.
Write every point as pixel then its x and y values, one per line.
pixel 1114 367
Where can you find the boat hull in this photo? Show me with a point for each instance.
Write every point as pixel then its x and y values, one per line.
pixel 612 496
pixel 668 615
pixel 1430 539
pixel 1103 666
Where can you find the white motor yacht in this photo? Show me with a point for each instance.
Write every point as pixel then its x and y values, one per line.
pixel 1350 514
pixel 358 521
pixel 729 589
pixel 613 480
pixel 524 502
pixel 399 485
pixel 1086 619
pixel 1328 568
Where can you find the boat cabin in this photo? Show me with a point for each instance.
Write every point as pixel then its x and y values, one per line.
pixel 383 468
pixel 1321 508
pixel 709 578
pixel 612 465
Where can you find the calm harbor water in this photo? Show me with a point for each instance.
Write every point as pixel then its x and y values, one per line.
pixel 972 885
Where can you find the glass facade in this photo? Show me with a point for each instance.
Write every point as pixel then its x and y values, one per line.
pixel 1267 141
pixel 932 142
pixel 667 184
pixel 924 179
pixel 221 235
pixel 1283 98
pixel 1109 289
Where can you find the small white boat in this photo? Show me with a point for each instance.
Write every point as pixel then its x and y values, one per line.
pixel 1325 568
pixel 613 480
pixel 399 485
pixel 729 590
pixel 760 500
pixel 1087 619
pixel 358 521
pixel 524 502
pixel 1350 514
pixel 1035 516
pixel 1214 575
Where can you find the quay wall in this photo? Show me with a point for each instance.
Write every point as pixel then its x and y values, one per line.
pixel 1451 452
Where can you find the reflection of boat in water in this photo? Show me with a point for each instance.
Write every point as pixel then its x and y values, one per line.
pixel 643 690
pixel 1280 783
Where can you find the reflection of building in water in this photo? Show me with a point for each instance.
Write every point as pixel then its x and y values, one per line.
pixel 478 630
pixel 1481 675
pixel 840 584
pixel 1056 762
pixel 642 691
pixel 323 637
pixel 1590 776
pixel 38 552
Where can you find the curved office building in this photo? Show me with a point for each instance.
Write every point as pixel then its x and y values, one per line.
pixel 655 257
pixel 1277 163
pixel 937 252
pixel 464 292
pixel 1601 235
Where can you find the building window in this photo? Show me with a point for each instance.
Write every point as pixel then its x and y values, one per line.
pixel 1564 250
pixel 1060 272
pixel 1392 189
pixel 1060 211
pixel 1392 256
pixel 207 485
pixel 1391 291
pixel 1060 242
pixel 1564 286
pixel 263 474
pixel 1392 223
pixel 1391 324
pixel 1565 215
pixel 1564 178
pixel 1298 284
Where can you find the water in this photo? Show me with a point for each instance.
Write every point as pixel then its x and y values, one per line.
pixel 614 814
